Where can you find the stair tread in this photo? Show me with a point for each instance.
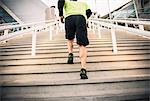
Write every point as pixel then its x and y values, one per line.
pixel 75 50
pixel 55 55
pixel 63 42
pixel 77 91
pixel 74 78
pixel 58 68
pixel 76 60
pixel 12 49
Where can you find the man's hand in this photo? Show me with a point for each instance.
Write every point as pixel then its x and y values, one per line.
pixel 62 19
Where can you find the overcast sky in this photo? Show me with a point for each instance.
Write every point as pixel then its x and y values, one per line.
pixel 101 6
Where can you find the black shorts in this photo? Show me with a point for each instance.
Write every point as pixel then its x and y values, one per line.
pixel 76 25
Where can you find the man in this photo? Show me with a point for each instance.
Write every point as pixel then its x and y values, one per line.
pixel 76 14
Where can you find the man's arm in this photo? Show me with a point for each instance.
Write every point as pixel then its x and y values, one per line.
pixel 60 6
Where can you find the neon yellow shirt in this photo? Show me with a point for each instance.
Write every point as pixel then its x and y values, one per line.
pixel 75 8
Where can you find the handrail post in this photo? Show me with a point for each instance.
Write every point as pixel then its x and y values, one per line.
pixel 114 43
pixel 50 32
pixel 93 27
pixel 126 24
pixel 57 28
pixel 89 25
pixel 22 28
pixel 62 27
pixel 99 31
pixel 34 43
pixel 116 23
pixel 6 32
pixel 141 27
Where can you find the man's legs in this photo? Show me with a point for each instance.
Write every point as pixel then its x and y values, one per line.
pixel 76 25
pixel 70 51
pixel 70 46
pixel 83 56
pixel 82 52
pixel 83 59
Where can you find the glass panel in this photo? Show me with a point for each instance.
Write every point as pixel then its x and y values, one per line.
pixel 5 17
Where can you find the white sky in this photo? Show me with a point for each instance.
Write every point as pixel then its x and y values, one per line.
pixel 101 6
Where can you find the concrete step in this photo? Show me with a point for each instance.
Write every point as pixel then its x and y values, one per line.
pixel 66 68
pixel 120 91
pixel 138 96
pixel 63 60
pixel 52 47
pixel 90 39
pixel 63 43
pixel 74 78
pixel 76 54
pixel 45 38
pixel 118 95
pixel 42 36
pixel 49 51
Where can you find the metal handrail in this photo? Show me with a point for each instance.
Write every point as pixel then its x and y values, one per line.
pixel 124 21
pixel 109 24
pixel 5 24
pixel 34 28
pixel 21 25
pixel 132 19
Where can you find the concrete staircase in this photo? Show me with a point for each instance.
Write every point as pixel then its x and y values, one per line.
pixel 46 77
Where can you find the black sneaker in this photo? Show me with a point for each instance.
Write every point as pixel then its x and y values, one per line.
pixel 70 59
pixel 83 74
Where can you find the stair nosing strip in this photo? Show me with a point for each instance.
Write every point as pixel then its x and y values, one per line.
pixel 75 51
pixel 74 56
pixel 75 71
pixel 74 62
pixel 50 48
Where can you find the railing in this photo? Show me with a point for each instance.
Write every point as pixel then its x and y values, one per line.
pixel 93 23
pixel 5 24
pixel 10 32
pixel 132 19
pixel 113 24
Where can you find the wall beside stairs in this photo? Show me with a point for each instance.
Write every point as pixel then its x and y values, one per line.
pixel 27 10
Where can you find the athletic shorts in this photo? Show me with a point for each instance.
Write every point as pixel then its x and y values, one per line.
pixel 75 25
